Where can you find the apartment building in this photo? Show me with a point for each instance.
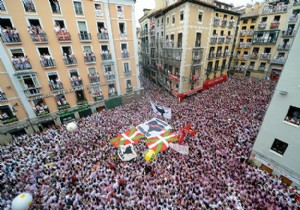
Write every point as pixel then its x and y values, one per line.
pixel 276 148
pixel 68 57
pixel 265 36
pixel 186 46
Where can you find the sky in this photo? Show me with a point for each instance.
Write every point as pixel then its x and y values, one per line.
pixel 150 4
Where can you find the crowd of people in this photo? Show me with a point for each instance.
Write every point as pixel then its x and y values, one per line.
pixel 81 169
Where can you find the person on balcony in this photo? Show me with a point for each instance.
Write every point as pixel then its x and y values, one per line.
pixel 5 35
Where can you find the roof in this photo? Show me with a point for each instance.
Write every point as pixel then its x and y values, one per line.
pixel 198 2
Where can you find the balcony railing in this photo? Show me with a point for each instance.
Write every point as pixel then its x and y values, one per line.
pixel 251 68
pixel 48 63
pixel 247 45
pixel 11 38
pixel 284 46
pixel 127 73
pixel 224 23
pixel 8 120
pixel 76 82
pixel 240 45
pixel 110 76
pixel 262 25
pixel 112 94
pixel 32 91
pixel 231 24
pixel 250 32
pixel 120 14
pixel 213 40
pixel 289 33
pixel 274 25
pixel 55 86
pixel 174 77
pixel 211 55
pixel 197 55
pixel 262 40
pixel 240 68
pixel 261 68
pixel 216 22
pixel 221 40
pixel 70 61
pixel 21 63
pixel 243 33
pixel 106 56
pixel 39 38
pixel 81 101
pixel 63 36
pixel 94 78
pixel 219 55
pixel 41 110
pixel 84 36
pixel 265 56
pixel 293 19
pixel 63 106
pixel 275 9
pixel 224 67
pixel 125 54
pixel 279 60
pixel 103 36
pixel 98 97
pixel 253 56
pixel 228 40
pixel 226 54
pixel 129 89
pixel 123 35
pixel 208 71
pixel 173 54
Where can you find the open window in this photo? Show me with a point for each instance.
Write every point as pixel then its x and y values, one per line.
pixel 28 5
pixel 98 10
pixel 279 146
pixel 40 107
pixel 46 59
pixel 19 60
pixel 93 75
pixel 80 97
pixel 55 7
pixel 293 115
pixel 61 102
pixel 97 93
pixel 6 114
pixel 2 6
pixel 29 84
pixel 54 81
pixel 75 78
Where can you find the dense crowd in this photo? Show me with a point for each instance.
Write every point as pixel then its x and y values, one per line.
pixel 81 170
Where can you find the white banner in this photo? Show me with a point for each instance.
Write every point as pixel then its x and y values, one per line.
pixel 126 152
pixel 153 127
pixel 161 110
pixel 180 148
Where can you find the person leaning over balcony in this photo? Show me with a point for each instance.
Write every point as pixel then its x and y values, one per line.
pixel 25 62
pixel 4 34
pixel 49 60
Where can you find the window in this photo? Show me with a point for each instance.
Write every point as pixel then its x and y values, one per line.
pixel 20 60
pixel 2 7
pixel 279 146
pixel 54 81
pixel 98 10
pixel 173 19
pixel 80 96
pixel 62 102
pixel 293 115
pixel 200 16
pixel 78 8
pixel 45 56
pixel 179 41
pixel 28 81
pixel 264 19
pixel 245 21
pixel 126 67
pixel 253 20
pixel 122 28
pixel 120 11
pixel 55 6
pixel 28 5
pixel 97 93
pixel 93 75
pixel 5 113
pixel 181 15
pixel 167 20
pixel 128 84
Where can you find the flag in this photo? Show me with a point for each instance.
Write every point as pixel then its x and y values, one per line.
pixel 153 127
pixel 181 136
pixel 126 152
pixel 180 148
pixel 161 142
pixel 161 110
pixel 183 131
pixel 132 136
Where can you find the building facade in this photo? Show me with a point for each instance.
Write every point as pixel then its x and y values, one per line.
pixel 276 148
pixel 187 45
pixel 266 33
pixel 68 57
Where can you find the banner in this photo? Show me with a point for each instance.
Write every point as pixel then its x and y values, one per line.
pixel 132 136
pixel 126 152
pixel 161 110
pixel 161 143
pixel 180 148
pixel 153 127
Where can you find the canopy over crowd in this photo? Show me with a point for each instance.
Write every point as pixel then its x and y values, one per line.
pixel 81 169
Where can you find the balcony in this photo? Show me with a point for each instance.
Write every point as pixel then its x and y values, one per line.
pixel 98 97
pixel 275 9
pixel 265 56
pixel 21 63
pixel 240 45
pixel 289 33
pixel 213 40
pixel 262 25
pixel 70 61
pixel 123 36
pixel 250 68
pixel 172 54
pixel 243 33
pixel 129 90
pixel 221 40
pixel 197 55
pixel 89 59
pixel 263 40
pixel 247 45
pixel 76 82
pixel 293 19
pixel 110 77
pixel 279 60
pixel 63 106
pixel 211 55
pixel 106 56
pixel 6 120
pixel 152 32
pixel 216 22
pixel 85 36
pixel 240 68
pixel 47 62
pixel 250 32
pixel 231 24
pixel 94 78
pixel 228 40
pixel 274 25
pixel 284 47
pixel 55 86
pixel 32 91
pixel 81 102
pixel 261 68
pixel 41 110
pixel 254 55
pixel 39 38
pixel 208 71
pixel 127 73
pixel 224 67
pixel 103 36
pixel 120 14
pixel 224 23
pixel 125 54
pixel 296 3
pixel 219 55
pixel 174 77
pixel 112 94
pixel 11 39
pixel 226 54
pixel 63 36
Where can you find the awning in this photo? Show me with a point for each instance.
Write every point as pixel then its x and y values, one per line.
pixel 212 82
